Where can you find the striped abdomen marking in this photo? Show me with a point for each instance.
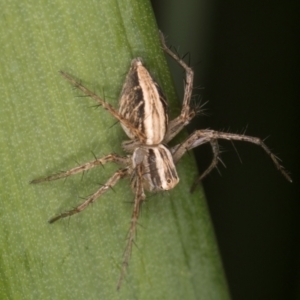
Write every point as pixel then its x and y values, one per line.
pixel 144 105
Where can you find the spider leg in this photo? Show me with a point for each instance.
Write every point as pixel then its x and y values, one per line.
pixel 87 166
pixel 139 197
pixel 104 104
pixel 200 137
pixel 216 151
pixel 187 114
pixel 109 184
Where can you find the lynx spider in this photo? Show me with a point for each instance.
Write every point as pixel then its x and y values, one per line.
pixel 143 116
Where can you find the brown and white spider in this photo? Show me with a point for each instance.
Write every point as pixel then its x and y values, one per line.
pixel 143 114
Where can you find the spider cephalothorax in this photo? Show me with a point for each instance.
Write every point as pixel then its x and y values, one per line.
pixel 143 114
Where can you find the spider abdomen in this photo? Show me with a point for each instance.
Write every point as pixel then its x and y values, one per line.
pixel 143 104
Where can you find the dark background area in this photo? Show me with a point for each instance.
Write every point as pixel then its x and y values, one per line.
pixel 246 56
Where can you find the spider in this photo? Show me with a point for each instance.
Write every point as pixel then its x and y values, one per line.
pixel 150 165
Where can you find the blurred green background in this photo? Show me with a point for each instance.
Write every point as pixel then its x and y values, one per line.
pixel 248 66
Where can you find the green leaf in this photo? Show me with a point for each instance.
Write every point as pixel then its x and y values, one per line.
pixel 45 128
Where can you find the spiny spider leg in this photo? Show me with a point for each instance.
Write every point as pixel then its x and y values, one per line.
pixel 139 197
pixel 187 114
pixel 109 184
pixel 87 166
pixel 200 137
pixel 216 151
pixel 104 104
